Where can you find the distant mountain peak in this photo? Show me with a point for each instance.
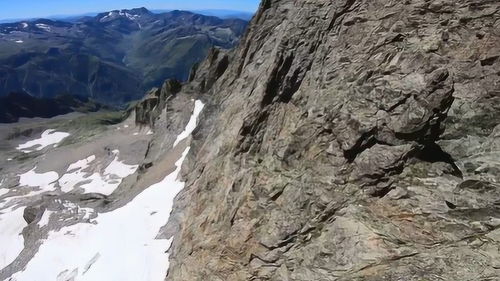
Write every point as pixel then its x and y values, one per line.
pixel 139 11
pixel 132 14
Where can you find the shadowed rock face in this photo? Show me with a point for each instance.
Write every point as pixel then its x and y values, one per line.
pixel 349 140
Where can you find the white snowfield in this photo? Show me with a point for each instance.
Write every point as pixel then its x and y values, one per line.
pixel 75 174
pixel 105 184
pixel 198 107
pixel 19 41
pixel 45 218
pixel 3 191
pixel 118 168
pixel 45 181
pixel 119 245
pixel 11 240
pixel 49 137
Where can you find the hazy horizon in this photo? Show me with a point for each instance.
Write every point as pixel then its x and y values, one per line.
pixel 57 8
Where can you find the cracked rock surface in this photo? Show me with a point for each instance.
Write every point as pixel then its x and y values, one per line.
pixel 348 140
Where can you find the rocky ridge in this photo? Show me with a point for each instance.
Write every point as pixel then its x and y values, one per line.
pixel 347 140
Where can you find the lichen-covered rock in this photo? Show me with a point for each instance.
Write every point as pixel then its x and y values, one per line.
pixel 349 140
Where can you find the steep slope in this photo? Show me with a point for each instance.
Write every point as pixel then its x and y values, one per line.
pixel 349 140
pixel 86 196
pixel 113 57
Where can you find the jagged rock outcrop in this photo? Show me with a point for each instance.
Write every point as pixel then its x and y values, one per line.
pixel 151 106
pixel 165 110
pixel 201 79
pixel 204 75
pixel 349 140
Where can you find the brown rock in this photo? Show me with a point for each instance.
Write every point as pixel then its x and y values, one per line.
pixel 325 100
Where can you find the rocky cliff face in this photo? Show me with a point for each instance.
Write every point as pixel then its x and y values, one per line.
pixel 349 140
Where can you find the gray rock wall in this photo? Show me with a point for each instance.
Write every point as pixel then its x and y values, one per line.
pixel 349 140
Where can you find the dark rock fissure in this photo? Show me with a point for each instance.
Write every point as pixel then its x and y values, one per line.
pixel 433 153
pixel 489 61
pixel 273 88
pixel 366 141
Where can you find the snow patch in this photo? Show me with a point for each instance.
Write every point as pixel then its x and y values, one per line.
pixel 119 245
pixel 198 107
pixel 98 184
pixel 115 14
pixel 82 164
pixel 3 191
pixel 119 169
pixel 19 41
pixel 109 15
pixel 129 16
pixel 45 181
pixel 24 25
pixel 12 224
pixel 105 184
pixel 43 26
pixel 49 137
pixel 45 218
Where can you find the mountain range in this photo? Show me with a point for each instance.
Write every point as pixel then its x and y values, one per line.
pixel 220 13
pixel 112 57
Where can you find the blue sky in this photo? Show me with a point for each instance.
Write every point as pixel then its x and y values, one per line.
pixel 11 9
